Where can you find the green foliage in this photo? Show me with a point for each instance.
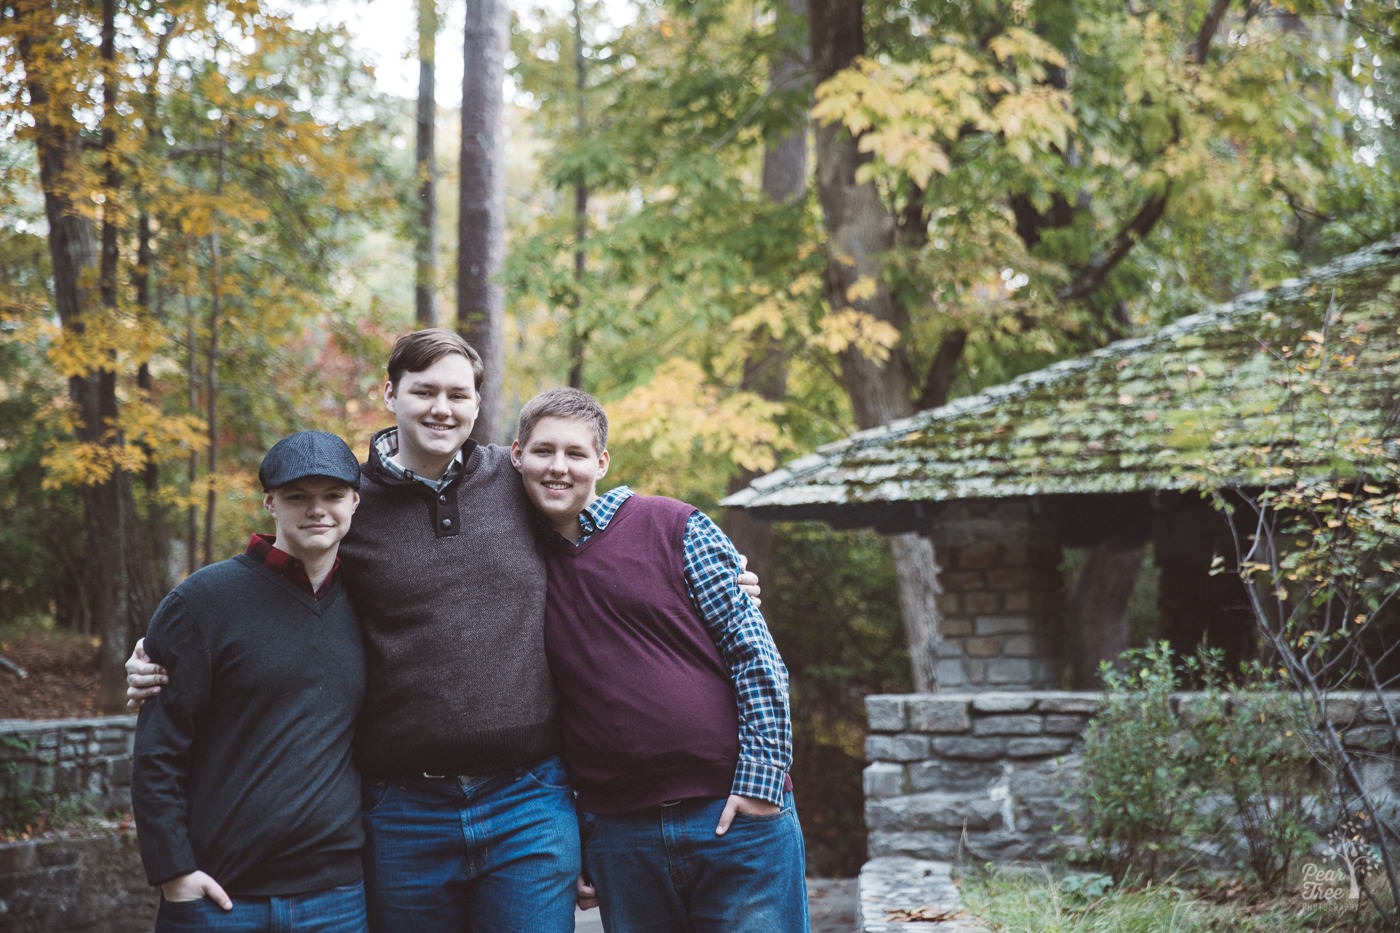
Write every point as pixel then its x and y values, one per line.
pixel 1232 770
pixel 41 545
pixel 250 158
pixel 1137 811
pixel 22 804
pixel 1318 548
pixel 1011 145
pixel 1250 744
pixel 830 602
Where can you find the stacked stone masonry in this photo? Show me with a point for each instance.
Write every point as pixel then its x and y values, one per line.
pixel 68 769
pixel 87 877
pixel 1000 581
pixel 990 777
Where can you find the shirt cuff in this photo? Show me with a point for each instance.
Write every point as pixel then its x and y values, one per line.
pixel 760 780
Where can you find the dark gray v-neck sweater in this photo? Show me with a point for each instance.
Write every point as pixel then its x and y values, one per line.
pixel 242 765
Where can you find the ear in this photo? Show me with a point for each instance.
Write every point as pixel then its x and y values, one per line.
pixel 267 502
pixel 354 500
pixel 389 394
pixel 604 459
pixel 515 455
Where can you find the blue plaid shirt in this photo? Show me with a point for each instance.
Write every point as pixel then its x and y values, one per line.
pixel 737 627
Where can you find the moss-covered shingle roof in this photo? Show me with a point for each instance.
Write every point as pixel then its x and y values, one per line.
pixel 1226 387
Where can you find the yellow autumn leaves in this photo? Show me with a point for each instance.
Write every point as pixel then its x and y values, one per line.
pixel 906 114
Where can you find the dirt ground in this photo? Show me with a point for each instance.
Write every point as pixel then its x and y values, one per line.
pixel 60 679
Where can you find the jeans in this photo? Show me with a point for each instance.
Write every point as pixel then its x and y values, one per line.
pixel 494 853
pixel 338 910
pixel 664 869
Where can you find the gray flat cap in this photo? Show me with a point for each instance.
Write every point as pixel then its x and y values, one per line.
pixel 309 453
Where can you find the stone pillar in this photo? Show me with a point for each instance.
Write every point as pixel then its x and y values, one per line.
pixel 1002 596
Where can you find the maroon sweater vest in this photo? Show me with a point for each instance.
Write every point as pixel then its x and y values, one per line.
pixel 646 703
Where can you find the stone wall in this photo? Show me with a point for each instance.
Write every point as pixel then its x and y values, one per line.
pixel 1001 598
pixel 976 775
pixel 990 776
pixel 64 769
pixel 87 877
pixel 91 883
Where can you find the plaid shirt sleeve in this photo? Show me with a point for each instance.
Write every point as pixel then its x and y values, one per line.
pixel 747 648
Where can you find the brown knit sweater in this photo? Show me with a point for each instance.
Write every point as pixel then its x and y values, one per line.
pixel 450 592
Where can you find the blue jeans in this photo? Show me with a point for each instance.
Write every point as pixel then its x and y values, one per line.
pixel 338 910
pixel 664 869
pixel 494 853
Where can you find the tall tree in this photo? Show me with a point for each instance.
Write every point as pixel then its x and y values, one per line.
pixel 878 380
pixel 1001 185
pixel 578 328
pixel 481 214
pixel 118 578
pixel 167 169
pixel 784 181
pixel 425 234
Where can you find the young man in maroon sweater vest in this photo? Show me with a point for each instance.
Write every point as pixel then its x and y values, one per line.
pixel 673 698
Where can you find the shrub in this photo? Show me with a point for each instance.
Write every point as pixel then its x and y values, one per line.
pixel 1231 772
pixel 1134 777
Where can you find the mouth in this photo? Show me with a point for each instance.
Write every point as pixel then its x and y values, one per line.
pixel 555 485
pixel 438 428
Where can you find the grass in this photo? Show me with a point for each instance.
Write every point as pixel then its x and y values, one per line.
pixel 1038 901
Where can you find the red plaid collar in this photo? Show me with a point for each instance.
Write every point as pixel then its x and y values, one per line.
pixel 262 549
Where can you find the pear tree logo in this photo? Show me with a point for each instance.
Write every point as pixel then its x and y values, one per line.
pixel 1353 858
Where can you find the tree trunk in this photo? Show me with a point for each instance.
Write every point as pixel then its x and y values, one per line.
pixel 784 182
pixel 117 577
pixel 481 219
pixel 578 331
pixel 1098 606
pixel 425 239
pixel 860 231
pixel 916 574
pixel 211 364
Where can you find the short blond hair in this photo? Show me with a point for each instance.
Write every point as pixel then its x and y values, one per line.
pixel 564 403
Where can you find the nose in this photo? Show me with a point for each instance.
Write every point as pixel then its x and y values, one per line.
pixel 557 463
pixel 440 406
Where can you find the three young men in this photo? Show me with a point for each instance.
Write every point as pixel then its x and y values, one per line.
pixel 468 814
pixel 247 803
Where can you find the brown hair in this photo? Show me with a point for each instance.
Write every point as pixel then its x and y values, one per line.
pixel 419 350
pixel 564 403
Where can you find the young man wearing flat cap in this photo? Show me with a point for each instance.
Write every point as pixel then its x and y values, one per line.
pixel 246 799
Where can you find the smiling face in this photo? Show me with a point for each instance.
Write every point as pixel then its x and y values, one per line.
pixel 560 464
pixel 435 409
pixel 312 514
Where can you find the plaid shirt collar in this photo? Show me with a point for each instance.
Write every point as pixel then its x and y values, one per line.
pixel 262 549
pixel 386 448
pixel 601 510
